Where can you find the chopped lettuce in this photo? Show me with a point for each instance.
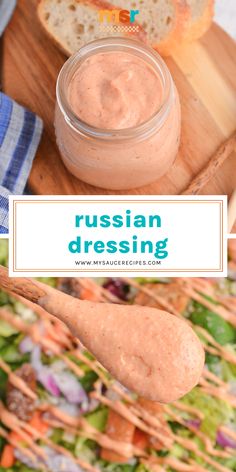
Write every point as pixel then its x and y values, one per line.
pixel 23 311
pixel 3 384
pixel 2 443
pixel 222 331
pixel 230 463
pixel 211 360
pixel 9 347
pixel 6 329
pixel 52 281
pixel 11 355
pixel 3 341
pixel 228 371
pixel 225 370
pixel 3 469
pixel 18 468
pixel 216 411
pixel 4 298
pixel 178 451
pixel 84 367
pixel 98 418
pixel 56 435
pixel 86 449
pixel 141 468
pixel 4 252
pixel 152 280
pixel 88 380
pixel 227 286
pixel 114 467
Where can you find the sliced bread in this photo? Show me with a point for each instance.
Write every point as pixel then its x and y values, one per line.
pixel 163 20
pixel 163 23
pixel 201 15
pixel 73 23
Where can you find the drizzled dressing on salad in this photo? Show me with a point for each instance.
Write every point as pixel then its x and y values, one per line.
pixel 65 420
pixel 141 415
pixel 116 406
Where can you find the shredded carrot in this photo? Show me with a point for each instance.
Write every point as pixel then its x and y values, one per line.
pixel 140 439
pixel 15 437
pixel 7 458
pixel 88 294
pixel 118 429
pixel 38 423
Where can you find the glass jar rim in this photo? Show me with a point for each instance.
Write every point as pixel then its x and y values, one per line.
pixel 102 45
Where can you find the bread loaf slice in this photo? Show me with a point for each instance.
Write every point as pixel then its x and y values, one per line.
pixel 201 15
pixel 163 20
pixel 73 23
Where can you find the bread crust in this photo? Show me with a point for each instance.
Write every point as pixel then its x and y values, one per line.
pixel 95 4
pixel 199 27
pixel 172 41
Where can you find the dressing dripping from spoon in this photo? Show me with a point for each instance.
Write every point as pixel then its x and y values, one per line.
pixel 149 351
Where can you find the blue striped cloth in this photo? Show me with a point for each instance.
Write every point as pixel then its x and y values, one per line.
pixel 20 133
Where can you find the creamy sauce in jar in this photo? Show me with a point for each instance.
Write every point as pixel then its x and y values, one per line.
pixel 115 90
pixel 118 115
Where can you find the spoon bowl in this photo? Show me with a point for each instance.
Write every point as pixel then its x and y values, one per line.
pixel 151 352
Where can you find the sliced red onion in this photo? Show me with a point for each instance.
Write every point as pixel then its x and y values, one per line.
pixel 43 373
pixel 225 441
pixel 45 377
pixel 70 387
pixel 21 457
pixel 88 407
pixel 68 408
pixel 117 287
pixel 57 462
pixel 26 345
pixel 36 358
pixel 54 461
pixel 56 380
pixel 193 423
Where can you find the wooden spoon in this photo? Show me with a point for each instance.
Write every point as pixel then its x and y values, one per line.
pixel 149 351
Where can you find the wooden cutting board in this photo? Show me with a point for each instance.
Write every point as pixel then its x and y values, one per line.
pixel 204 73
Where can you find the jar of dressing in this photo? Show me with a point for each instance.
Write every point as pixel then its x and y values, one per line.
pixel 117 114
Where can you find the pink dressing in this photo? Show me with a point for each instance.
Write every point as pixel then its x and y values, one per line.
pixel 115 90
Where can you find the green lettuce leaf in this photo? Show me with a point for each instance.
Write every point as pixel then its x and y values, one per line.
pixel 222 331
pixel 86 449
pixel 115 467
pixel 6 329
pixel 52 281
pixel 216 412
pixel 98 418
pixel 4 252
pixel 88 380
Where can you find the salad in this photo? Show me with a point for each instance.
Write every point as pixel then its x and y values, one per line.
pixel 61 411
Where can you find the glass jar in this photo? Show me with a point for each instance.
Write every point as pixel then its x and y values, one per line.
pixel 118 159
